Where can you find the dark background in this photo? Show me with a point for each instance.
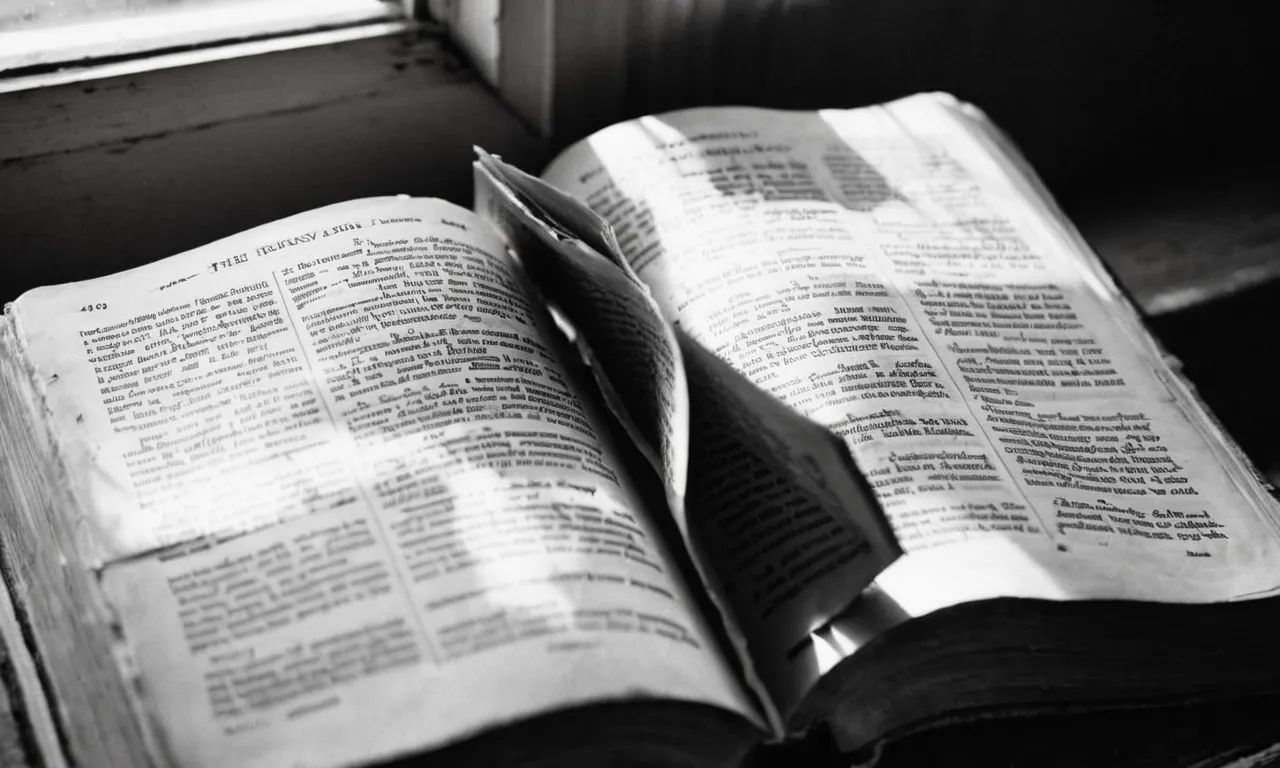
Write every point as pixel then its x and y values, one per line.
pixel 1091 90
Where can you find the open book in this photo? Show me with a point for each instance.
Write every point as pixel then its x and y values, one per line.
pixel 735 426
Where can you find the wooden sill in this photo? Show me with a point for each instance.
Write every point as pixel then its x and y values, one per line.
pixel 101 175
pixel 174 27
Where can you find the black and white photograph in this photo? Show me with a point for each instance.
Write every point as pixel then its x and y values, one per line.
pixel 639 383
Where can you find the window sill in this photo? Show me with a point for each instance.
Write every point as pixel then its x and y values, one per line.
pixel 171 28
pixel 108 168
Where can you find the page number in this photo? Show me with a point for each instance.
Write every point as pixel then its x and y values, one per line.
pixel 91 307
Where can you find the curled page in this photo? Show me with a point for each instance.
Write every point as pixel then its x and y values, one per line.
pixel 781 526
pixel 576 266
pixel 788 524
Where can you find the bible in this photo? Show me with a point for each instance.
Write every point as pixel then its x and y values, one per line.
pixel 737 436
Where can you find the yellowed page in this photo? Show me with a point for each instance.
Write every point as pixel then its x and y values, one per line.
pixel 881 271
pixel 388 519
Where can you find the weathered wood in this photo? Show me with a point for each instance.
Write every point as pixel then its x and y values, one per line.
pixel 91 111
pixel 169 160
pixel 1182 240
pixel 133 28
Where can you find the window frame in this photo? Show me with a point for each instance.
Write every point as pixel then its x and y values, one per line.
pixel 559 64
pixel 93 39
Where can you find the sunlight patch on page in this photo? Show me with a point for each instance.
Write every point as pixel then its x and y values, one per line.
pixel 909 286
pixel 826 655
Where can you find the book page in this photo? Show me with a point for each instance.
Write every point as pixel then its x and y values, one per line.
pixel 791 533
pixel 580 272
pixel 347 500
pixel 881 271
pixel 774 578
